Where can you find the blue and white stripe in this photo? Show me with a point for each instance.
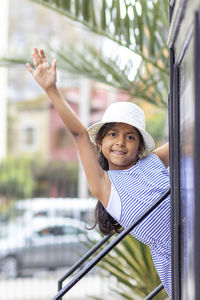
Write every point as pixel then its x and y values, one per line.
pixel 138 187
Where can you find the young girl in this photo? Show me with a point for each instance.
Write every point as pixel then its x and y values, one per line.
pixel 122 178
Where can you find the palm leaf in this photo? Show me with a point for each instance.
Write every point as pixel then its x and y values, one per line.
pixel 107 70
pixel 113 26
pixel 92 64
pixel 141 27
pixel 131 264
pixel 138 27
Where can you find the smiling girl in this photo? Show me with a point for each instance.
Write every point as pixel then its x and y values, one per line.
pixel 121 175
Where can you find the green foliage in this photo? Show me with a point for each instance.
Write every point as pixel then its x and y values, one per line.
pixel 132 24
pixel 139 26
pixel 24 178
pixel 57 170
pixel 156 126
pixel 59 174
pixel 16 180
pixel 131 264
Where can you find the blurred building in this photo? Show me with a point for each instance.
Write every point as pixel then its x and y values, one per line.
pixel 28 128
pixel 35 128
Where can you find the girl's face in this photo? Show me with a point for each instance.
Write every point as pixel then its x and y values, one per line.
pixel 121 146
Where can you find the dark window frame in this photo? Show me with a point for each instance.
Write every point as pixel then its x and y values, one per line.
pixel 174 135
pixel 196 152
pixel 175 174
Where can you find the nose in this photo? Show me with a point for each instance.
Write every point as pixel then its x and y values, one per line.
pixel 120 141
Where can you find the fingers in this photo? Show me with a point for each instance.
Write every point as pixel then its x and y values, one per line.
pixel 43 56
pixel 29 68
pixel 37 60
pixel 53 65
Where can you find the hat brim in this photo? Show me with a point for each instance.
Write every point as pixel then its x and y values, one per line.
pixel 148 140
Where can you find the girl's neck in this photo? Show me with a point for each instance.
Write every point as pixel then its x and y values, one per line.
pixel 121 168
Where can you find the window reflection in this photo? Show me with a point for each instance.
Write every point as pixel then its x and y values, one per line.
pixel 186 174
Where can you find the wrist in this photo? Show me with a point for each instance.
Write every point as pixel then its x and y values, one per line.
pixel 51 89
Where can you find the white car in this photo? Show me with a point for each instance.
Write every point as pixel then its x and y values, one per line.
pixel 46 243
pixel 82 209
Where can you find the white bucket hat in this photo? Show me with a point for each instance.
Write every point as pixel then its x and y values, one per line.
pixel 124 112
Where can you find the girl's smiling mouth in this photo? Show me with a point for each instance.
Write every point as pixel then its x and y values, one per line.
pixel 118 152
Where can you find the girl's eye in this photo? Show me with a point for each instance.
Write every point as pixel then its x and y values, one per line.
pixel 113 134
pixel 130 137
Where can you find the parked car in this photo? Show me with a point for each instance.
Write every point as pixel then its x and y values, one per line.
pixel 46 243
pixel 82 209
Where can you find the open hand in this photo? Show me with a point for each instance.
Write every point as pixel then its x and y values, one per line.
pixel 43 73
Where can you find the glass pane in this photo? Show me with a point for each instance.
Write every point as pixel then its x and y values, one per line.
pixel 186 174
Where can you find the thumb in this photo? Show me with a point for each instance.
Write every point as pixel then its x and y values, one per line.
pixel 53 65
pixel 29 68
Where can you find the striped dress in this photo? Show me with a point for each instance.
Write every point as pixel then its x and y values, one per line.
pixel 137 188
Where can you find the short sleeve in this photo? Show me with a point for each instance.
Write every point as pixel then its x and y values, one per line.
pixel 114 204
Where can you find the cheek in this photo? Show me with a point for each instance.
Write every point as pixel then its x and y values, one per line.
pixel 136 148
pixel 105 142
pixel 104 148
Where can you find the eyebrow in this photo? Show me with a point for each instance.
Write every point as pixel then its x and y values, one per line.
pixel 130 132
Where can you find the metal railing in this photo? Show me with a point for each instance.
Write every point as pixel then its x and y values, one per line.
pixel 154 292
pixel 82 260
pixel 104 252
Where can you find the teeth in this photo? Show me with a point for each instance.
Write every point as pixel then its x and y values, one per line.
pixel 118 152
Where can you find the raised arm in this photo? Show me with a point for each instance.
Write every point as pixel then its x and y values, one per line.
pixel 45 75
pixel 163 153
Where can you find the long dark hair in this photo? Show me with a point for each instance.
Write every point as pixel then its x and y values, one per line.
pixel 106 223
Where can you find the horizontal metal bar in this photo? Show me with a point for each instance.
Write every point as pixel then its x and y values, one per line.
pixel 155 292
pixel 109 247
pixel 82 260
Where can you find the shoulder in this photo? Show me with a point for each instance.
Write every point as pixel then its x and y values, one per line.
pixel 163 154
pixel 149 158
pixel 152 161
pixel 114 204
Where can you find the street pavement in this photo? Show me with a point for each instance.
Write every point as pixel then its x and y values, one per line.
pixel 45 288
